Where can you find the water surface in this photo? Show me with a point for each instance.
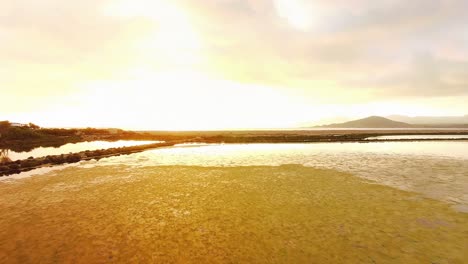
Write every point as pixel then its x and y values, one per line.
pixel 383 202
pixel 74 147
pixel 436 169
pixel 192 214
pixel 393 137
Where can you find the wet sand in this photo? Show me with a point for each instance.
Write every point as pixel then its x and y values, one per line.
pixel 174 214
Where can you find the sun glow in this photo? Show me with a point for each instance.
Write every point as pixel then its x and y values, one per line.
pixel 295 12
pixel 171 40
pixel 191 102
pixel 168 84
pixel 223 64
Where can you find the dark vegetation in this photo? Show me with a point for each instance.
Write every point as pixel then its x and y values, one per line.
pixel 28 137
pixel 22 138
pixel 290 136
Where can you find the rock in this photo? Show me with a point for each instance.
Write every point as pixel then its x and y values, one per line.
pixel 72 158
pixel 31 163
pixel 14 166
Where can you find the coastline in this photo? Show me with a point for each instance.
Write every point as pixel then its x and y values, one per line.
pixel 172 138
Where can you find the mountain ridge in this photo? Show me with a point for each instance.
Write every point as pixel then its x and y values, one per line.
pixel 370 122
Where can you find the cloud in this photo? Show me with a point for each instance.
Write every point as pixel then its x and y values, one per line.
pixel 355 46
pixel 426 75
pixel 350 51
pixel 49 46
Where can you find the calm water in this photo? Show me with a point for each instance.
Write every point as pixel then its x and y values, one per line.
pixel 420 137
pixel 435 169
pixel 74 147
pixel 245 203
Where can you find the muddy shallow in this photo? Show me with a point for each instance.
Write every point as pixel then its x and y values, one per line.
pixel 285 214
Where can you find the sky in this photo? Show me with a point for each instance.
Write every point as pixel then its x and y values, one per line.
pixel 230 64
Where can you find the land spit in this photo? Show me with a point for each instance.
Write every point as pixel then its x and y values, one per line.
pixel 18 166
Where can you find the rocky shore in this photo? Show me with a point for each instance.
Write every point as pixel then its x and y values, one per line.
pixel 18 166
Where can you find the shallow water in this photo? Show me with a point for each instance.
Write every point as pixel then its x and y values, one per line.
pixel 437 170
pixel 74 147
pixel 240 203
pixel 418 137
pixel 187 214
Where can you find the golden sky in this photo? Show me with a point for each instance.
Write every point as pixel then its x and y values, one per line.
pixel 220 64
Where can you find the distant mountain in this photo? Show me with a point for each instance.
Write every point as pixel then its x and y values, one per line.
pixel 431 120
pixel 370 122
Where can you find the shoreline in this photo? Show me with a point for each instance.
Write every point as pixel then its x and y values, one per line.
pixel 24 165
pixel 21 144
pixel 172 138
pixel 18 166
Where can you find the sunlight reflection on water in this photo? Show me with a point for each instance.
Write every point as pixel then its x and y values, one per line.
pixel 436 169
pixel 419 137
pixel 75 147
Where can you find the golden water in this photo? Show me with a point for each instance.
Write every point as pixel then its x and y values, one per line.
pixel 437 170
pixel 75 147
pixel 190 214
